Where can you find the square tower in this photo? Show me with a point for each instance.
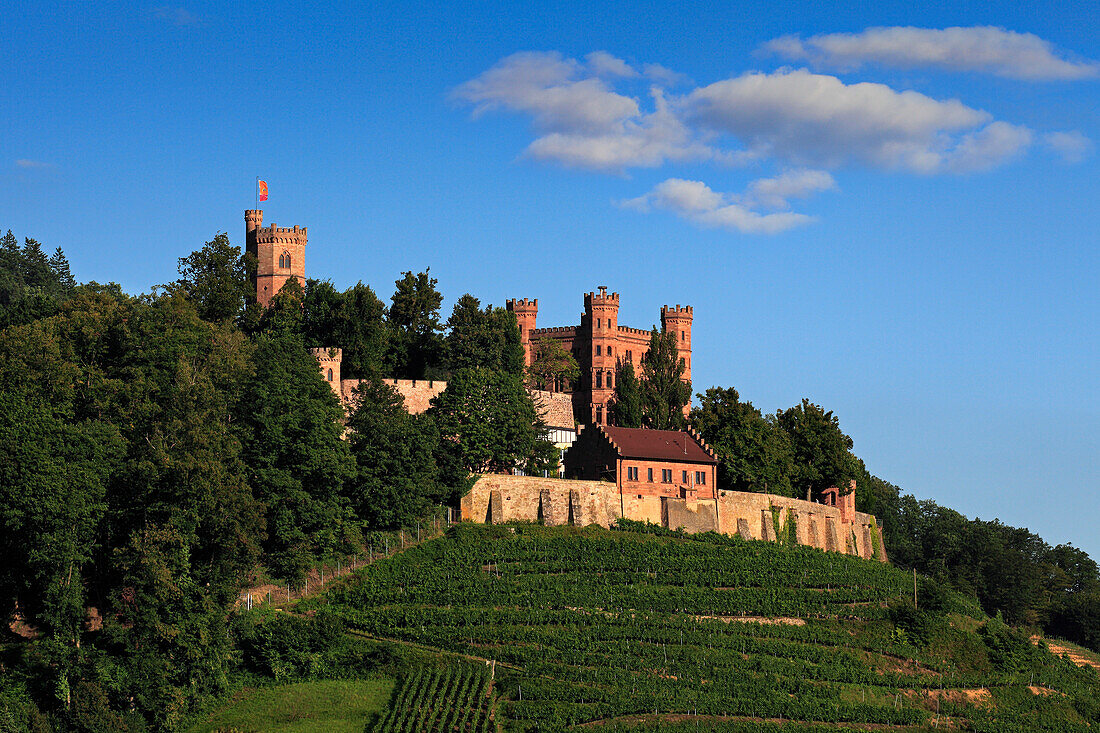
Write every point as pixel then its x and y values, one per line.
pixel 279 252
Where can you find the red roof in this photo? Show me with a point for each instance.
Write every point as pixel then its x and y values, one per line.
pixel 662 445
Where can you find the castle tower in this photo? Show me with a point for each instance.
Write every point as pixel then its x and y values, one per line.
pixel 526 312
pixel 601 321
pixel 678 321
pixel 279 252
pixel 329 359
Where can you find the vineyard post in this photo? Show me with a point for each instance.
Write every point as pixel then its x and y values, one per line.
pixel 914 587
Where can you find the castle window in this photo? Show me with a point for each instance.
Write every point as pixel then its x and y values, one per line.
pixel 681 335
pixel 599 379
pixel 685 477
pixel 599 414
pixel 284 260
pixel 610 384
pixel 330 375
pixel 682 362
pixel 649 475
pixel 609 351
pixel 701 478
pixel 666 475
pixel 632 473
pixel 597 349
pixel 599 323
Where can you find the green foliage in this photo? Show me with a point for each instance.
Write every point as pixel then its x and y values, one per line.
pixel 664 391
pixel 627 410
pixel 353 321
pixel 552 367
pixel 486 338
pixel 415 341
pixel 32 285
pixel 288 647
pixel 486 420
pixel 820 450
pixel 216 279
pixel 441 699
pixel 754 454
pixel 290 426
pixel 397 477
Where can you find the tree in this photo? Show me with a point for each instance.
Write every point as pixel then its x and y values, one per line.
pixel 291 429
pixel 627 410
pixel 487 420
pixel 664 391
pixel 59 268
pixel 415 341
pixel 482 338
pixel 820 449
pixel 216 279
pixel 396 480
pixel 552 367
pixel 753 453
pixel 363 332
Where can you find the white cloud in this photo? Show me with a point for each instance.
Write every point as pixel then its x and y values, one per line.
pixel 546 86
pixel 981 48
pixel 665 77
pixel 176 16
pixel 584 122
pixel 698 203
pixel 817 120
pixel 604 64
pixel 1073 146
pixel 26 163
pixel 989 147
pixel 773 193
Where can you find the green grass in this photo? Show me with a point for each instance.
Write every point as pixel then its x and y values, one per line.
pixel 331 706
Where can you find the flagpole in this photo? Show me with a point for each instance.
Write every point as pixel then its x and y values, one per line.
pixel 257 192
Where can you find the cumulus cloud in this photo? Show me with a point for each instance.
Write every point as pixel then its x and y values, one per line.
pixel 817 120
pixel 1073 146
pixel 985 49
pixel 583 122
pixel 774 193
pixel 604 64
pixel 27 163
pixel 663 76
pixel 698 203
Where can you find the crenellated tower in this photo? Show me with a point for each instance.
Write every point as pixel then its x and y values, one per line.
pixel 329 360
pixel 678 322
pixel 526 312
pixel 279 252
pixel 601 321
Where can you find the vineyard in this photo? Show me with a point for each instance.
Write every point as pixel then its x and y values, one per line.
pixel 456 698
pixel 644 630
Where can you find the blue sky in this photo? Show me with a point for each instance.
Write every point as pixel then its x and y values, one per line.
pixel 891 212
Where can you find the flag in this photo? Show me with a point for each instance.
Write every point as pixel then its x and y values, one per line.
pixel 261 190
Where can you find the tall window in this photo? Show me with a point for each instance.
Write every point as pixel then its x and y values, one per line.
pixel 599 323
pixel 609 351
pixel 685 477
pixel 609 381
pixel 649 475
pixel 599 379
pixel 284 260
pixel 599 414
pixel 597 349
pixel 330 375
pixel 681 335
pixel 666 475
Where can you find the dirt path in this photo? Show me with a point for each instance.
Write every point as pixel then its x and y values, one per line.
pixel 1075 656
pixel 687 717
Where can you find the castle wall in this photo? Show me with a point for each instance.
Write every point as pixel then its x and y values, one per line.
pixel 500 498
pixel 417 393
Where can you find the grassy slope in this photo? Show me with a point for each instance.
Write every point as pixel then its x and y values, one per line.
pixel 628 631
pixel 327 705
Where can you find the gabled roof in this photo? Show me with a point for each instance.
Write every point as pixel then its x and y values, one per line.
pixel 661 445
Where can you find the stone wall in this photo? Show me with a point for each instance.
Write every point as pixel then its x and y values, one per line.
pixel 499 498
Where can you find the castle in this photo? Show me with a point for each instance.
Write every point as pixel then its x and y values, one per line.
pixel 612 472
pixel 599 344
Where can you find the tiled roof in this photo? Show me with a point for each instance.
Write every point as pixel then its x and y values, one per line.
pixel 663 445
pixel 555 408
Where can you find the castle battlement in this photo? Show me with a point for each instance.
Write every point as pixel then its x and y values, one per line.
pixel 634 331
pixel 521 304
pixel 566 330
pixel 685 312
pixel 601 298
pixel 327 353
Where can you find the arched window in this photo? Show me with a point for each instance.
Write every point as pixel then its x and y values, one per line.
pixel 330 375
pixel 284 260
pixel 610 382
pixel 609 351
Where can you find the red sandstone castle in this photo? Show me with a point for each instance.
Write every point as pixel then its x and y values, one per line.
pixel 600 344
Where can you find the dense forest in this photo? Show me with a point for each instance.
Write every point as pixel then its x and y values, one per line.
pixel 159 452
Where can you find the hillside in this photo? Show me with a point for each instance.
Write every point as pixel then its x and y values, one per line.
pixel 619 630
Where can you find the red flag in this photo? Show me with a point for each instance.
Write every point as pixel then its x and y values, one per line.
pixel 261 190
